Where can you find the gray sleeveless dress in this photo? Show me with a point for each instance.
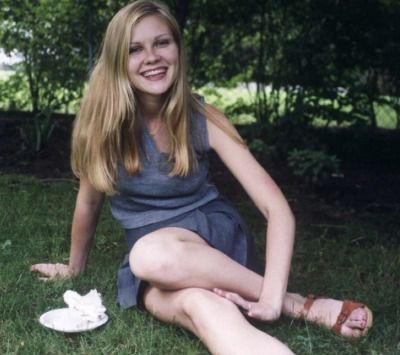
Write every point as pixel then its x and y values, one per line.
pixel 151 200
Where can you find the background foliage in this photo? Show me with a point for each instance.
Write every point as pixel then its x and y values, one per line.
pixel 344 52
pixel 298 64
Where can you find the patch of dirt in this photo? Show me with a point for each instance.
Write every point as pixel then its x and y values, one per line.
pixel 50 162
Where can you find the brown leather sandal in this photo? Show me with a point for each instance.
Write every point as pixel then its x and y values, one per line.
pixel 348 306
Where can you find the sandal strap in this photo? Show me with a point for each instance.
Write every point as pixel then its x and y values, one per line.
pixel 347 307
pixel 309 302
pixel 307 305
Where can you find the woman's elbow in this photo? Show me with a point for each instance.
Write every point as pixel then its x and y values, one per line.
pixel 280 210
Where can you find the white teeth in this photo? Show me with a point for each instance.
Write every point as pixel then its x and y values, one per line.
pixel 154 72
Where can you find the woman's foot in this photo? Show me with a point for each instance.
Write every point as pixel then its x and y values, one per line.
pixel 347 318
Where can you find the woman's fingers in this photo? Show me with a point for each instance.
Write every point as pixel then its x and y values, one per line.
pixel 44 269
pixel 234 297
pixel 220 292
pixel 254 309
pixel 51 271
pixel 238 300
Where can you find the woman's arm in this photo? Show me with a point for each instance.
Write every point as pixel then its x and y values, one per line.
pixel 86 214
pixel 272 204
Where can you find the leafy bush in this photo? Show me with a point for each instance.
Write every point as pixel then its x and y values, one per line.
pixel 241 112
pixel 313 166
pixel 236 103
pixel 14 93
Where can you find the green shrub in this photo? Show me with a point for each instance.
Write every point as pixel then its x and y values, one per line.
pixel 241 112
pixel 236 103
pixel 14 93
pixel 313 166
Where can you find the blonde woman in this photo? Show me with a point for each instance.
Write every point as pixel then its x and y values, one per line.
pixel 141 137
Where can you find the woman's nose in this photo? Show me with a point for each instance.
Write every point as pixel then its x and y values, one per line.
pixel 152 56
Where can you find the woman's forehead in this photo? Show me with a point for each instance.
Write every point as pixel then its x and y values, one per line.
pixel 149 27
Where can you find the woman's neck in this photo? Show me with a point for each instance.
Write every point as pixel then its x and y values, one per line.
pixel 150 107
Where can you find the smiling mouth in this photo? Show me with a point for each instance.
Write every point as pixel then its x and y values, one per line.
pixel 154 73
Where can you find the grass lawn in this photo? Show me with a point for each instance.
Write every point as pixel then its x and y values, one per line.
pixel 347 257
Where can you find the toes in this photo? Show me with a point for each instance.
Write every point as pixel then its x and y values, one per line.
pixel 357 319
pixel 358 314
pixel 356 324
pixel 351 332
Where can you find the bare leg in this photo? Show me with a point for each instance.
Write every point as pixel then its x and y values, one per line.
pixel 175 258
pixel 215 320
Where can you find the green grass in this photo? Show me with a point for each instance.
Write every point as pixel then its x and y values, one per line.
pixel 357 257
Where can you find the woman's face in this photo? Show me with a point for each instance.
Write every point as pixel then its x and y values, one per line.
pixel 153 57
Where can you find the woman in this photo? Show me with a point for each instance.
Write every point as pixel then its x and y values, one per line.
pixel 141 137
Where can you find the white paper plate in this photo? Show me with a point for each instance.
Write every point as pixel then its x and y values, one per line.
pixel 69 321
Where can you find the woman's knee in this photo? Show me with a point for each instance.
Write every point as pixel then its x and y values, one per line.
pixel 179 307
pixel 201 306
pixel 156 256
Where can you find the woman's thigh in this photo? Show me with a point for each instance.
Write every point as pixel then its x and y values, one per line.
pixel 175 258
pixel 171 234
pixel 162 248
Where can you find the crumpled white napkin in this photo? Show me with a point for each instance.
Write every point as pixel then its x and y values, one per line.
pixel 89 306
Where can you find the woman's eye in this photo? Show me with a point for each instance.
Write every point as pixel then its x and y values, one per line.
pixel 163 43
pixel 134 50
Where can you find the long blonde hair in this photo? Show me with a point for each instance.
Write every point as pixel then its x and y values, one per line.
pixel 107 130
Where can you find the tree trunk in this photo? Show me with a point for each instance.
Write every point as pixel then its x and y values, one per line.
pixel 89 8
pixel 33 88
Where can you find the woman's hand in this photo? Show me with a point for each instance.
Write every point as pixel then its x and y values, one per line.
pixel 257 310
pixel 51 272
